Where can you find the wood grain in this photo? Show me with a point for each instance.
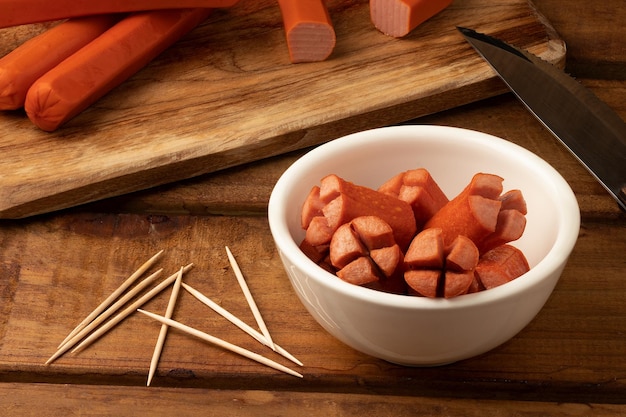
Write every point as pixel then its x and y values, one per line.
pixel 246 189
pixel 571 350
pixel 55 268
pixel 227 94
pixel 104 400
pixel 595 49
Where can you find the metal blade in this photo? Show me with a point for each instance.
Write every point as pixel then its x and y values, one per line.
pixel 587 126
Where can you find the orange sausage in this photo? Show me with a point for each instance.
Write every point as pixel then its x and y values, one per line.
pixel 361 271
pixel 426 250
pixel 374 232
pixel 345 201
pixel 433 270
pixel 418 188
pixel 509 227
pixel 312 207
pixel 20 12
pixel 472 213
pixel 462 255
pixel 20 68
pixel 106 62
pixel 514 200
pixel 399 17
pixel 318 233
pixel 308 29
pixel 318 254
pixel 501 265
pixel 457 283
pixel 423 282
pixel 345 246
pixel 365 253
pixel 387 259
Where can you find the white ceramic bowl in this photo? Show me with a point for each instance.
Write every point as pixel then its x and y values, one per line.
pixel 421 331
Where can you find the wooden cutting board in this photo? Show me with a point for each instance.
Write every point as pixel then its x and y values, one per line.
pixel 226 94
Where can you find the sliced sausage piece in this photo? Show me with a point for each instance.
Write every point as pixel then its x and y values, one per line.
pixel 370 238
pixel 347 201
pixel 462 255
pixel 345 246
pixel 311 251
pixel 318 254
pixel 374 232
pixel 312 207
pixel 398 18
pixel 514 200
pixel 318 233
pixel 473 212
pixel 475 286
pixel 424 282
pixel 426 250
pixel 510 227
pixel 486 185
pixel 457 283
pixel 453 266
pixel 501 265
pixel 418 188
pixel 361 271
pixel 388 259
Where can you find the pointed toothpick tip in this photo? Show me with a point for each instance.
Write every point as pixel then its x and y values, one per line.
pixel 158 348
pixel 246 291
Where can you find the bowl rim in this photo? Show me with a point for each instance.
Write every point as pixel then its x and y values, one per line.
pixel 552 262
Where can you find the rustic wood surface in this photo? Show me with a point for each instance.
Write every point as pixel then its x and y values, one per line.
pixel 55 268
pixel 227 94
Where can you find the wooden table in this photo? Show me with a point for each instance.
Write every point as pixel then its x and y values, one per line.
pixel 55 268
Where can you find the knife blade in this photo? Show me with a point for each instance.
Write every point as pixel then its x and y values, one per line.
pixel 587 126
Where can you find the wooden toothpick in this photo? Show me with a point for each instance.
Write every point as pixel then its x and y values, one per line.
pixel 158 348
pixel 237 322
pixel 130 309
pixel 222 343
pixel 143 268
pixel 251 303
pixel 106 314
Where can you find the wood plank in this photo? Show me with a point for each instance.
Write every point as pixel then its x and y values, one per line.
pixel 246 188
pixel 17 400
pixel 57 268
pixel 227 94
pixel 595 49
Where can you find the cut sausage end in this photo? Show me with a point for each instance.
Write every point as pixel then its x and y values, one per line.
pixel 423 282
pixel 501 265
pixel 310 42
pixel 345 246
pixel 426 250
pixel 309 30
pixel 397 18
pixel 312 207
pixel 359 272
pixel 391 17
pixel 462 255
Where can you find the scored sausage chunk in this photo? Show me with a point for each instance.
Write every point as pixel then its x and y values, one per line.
pixel 365 253
pixel 341 201
pixel 418 188
pixel 434 270
pixel 501 265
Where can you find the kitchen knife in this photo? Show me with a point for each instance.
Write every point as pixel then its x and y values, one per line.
pixel 589 128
